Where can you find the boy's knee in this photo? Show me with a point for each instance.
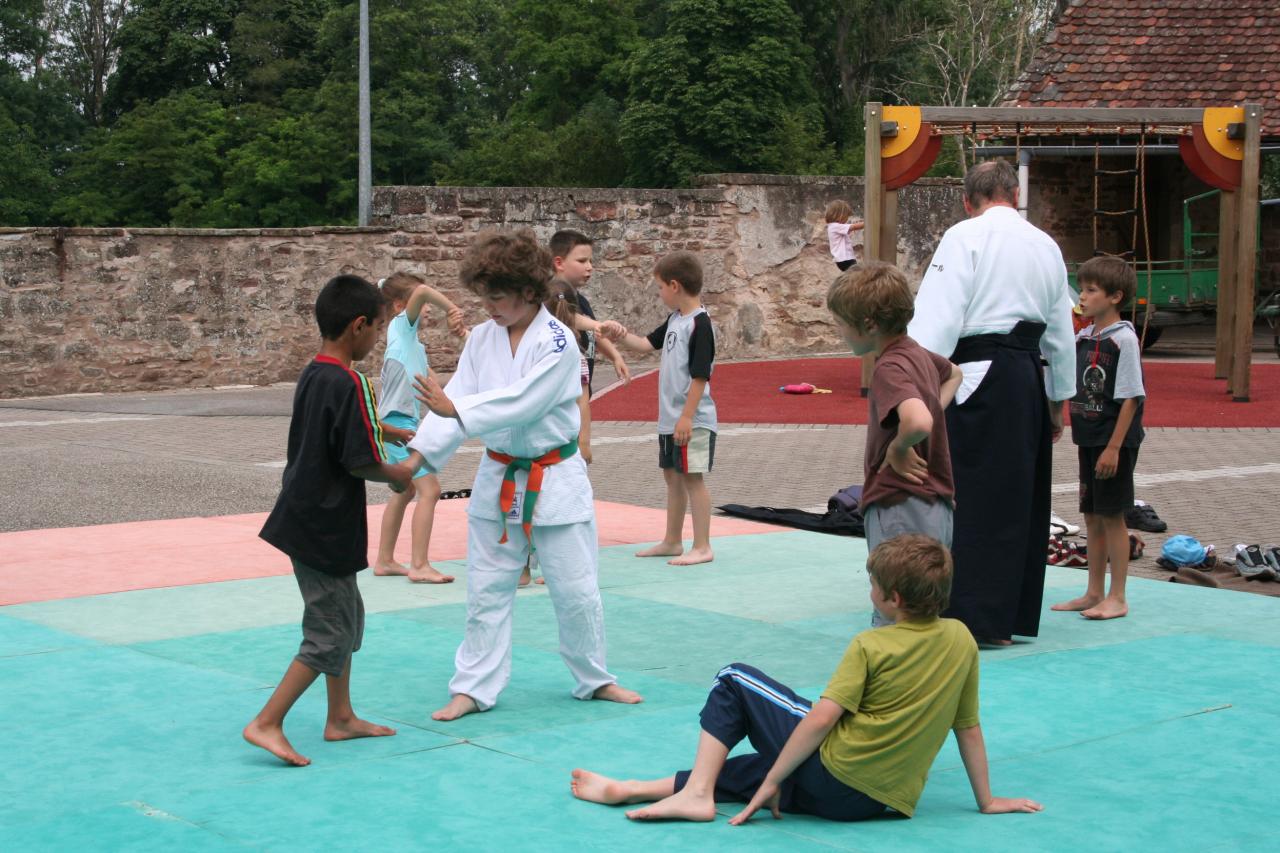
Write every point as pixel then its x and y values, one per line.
pixel 727 673
pixel 428 488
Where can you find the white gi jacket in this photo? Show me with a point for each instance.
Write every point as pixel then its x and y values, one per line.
pixel 988 273
pixel 524 406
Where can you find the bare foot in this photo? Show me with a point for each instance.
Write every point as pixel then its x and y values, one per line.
pixel 525 578
pixel 427 574
pixel 459 706
pixel 991 642
pixel 1110 608
pixel 382 568
pixel 595 788
pixel 540 580
pixel 614 693
pixel 353 728
pixel 272 739
pixel 663 549
pixel 682 805
pixel 1084 602
pixel 695 556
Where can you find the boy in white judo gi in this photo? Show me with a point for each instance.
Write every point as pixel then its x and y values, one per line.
pixel 516 387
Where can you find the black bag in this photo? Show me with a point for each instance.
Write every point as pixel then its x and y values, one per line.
pixel 843 516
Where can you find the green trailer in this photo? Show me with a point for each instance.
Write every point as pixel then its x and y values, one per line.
pixel 1184 292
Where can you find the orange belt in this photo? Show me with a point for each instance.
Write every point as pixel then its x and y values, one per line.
pixel 507 496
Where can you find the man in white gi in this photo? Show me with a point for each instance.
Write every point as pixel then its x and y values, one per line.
pixel 995 301
pixel 516 387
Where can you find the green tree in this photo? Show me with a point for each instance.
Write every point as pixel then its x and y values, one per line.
pixel 37 125
pixel 555 96
pixel 726 87
pixel 38 122
pixel 272 48
pixel 295 166
pixel 169 46
pixel 86 33
pixel 160 165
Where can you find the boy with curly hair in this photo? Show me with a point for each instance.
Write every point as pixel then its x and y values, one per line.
pixel 517 387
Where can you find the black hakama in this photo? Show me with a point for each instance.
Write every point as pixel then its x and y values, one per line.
pixel 1002 461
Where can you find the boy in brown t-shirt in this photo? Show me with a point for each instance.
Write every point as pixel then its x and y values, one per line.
pixel 907 487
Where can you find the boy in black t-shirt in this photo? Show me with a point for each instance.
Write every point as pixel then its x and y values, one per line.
pixel 1106 424
pixel 571 254
pixel 335 444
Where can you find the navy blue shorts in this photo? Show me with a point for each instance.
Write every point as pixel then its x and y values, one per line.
pixel 746 703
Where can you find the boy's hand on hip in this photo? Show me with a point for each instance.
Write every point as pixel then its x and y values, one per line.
pixel 431 395
pixel 683 432
pixel 906 463
pixel 1108 462
pixel 769 796
pixel 1008 805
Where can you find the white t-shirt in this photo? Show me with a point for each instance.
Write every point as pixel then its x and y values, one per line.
pixel 841 244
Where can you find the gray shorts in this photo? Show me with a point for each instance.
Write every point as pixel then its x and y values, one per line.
pixel 914 515
pixel 332 619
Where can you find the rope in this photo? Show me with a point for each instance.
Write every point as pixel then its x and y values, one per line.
pixel 1096 200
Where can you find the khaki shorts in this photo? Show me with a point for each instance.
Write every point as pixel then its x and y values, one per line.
pixel 696 457
pixel 332 619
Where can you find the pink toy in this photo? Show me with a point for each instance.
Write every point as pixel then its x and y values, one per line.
pixel 803 388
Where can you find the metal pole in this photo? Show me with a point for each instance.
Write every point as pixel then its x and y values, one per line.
pixel 366 160
pixel 1024 181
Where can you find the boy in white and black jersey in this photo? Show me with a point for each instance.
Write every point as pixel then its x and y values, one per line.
pixel 1106 426
pixel 686 413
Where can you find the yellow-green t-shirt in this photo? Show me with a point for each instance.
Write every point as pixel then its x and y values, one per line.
pixel 905 686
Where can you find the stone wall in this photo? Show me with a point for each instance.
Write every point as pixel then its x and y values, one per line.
pixel 84 310
pixel 121 309
pixel 762 240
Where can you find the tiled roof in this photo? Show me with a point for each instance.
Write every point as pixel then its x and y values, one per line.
pixel 1171 53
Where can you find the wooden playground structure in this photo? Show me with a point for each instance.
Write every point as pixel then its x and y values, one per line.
pixel 1220 145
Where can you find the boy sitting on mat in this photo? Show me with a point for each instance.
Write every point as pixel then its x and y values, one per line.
pixel 866 745
pixel 907 485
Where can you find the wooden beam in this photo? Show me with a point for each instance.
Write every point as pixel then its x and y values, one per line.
pixel 1224 338
pixel 889 228
pixel 1246 252
pixel 873 210
pixel 1061 115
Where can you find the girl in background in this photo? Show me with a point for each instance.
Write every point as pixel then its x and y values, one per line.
pixel 400 413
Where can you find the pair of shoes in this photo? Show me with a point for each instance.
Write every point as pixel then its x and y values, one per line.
pixel 1142 516
pixel 1060 527
pixel 1255 562
pixel 1064 553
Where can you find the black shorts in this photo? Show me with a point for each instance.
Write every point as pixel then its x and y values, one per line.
pixel 1113 495
pixel 844 265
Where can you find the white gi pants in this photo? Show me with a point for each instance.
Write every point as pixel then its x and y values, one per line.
pixel 568 557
